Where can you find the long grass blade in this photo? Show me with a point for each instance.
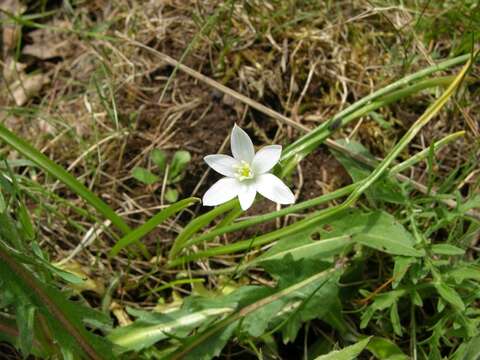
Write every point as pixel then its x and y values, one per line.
pixel 135 235
pixel 198 223
pixel 293 148
pixel 59 173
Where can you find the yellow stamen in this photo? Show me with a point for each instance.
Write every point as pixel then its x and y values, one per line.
pixel 244 171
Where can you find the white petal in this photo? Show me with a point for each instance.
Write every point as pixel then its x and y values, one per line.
pixel 266 158
pixel 223 190
pixel 247 193
pixel 242 146
pixel 222 164
pixel 274 189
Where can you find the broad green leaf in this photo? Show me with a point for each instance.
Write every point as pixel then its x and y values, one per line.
pixel 314 301
pixel 447 249
pixel 472 203
pixel 378 230
pixel 145 176
pixel 10 333
pixel 384 349
pixel 464 271
pixel 402 264
pixel 10 233
pixel 25 317
pixel 196 313
pixel 212 346
pixel 302 246
pixel 142 334
pixel 265 301
pixel 381 301
pixel 395 319
pixel 450 295
pixel 159 158
pixel 27 225
pixel 469 350
pixel 349 353
pixel 3 204
pixel 171 195
pixel 180 161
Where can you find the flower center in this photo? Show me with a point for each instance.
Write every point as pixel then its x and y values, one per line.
pixel 243 171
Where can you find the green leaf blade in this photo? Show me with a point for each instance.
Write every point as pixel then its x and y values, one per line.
pixel 135 235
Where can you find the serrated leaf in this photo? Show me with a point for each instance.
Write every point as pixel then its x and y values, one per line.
pixel 447 249
pixel 378 230
pixel 145 176
pixel 159 158
pixel 349 353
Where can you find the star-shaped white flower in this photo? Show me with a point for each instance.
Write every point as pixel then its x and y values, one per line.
pixel 246 174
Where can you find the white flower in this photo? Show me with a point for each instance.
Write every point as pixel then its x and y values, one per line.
pixel 246 173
